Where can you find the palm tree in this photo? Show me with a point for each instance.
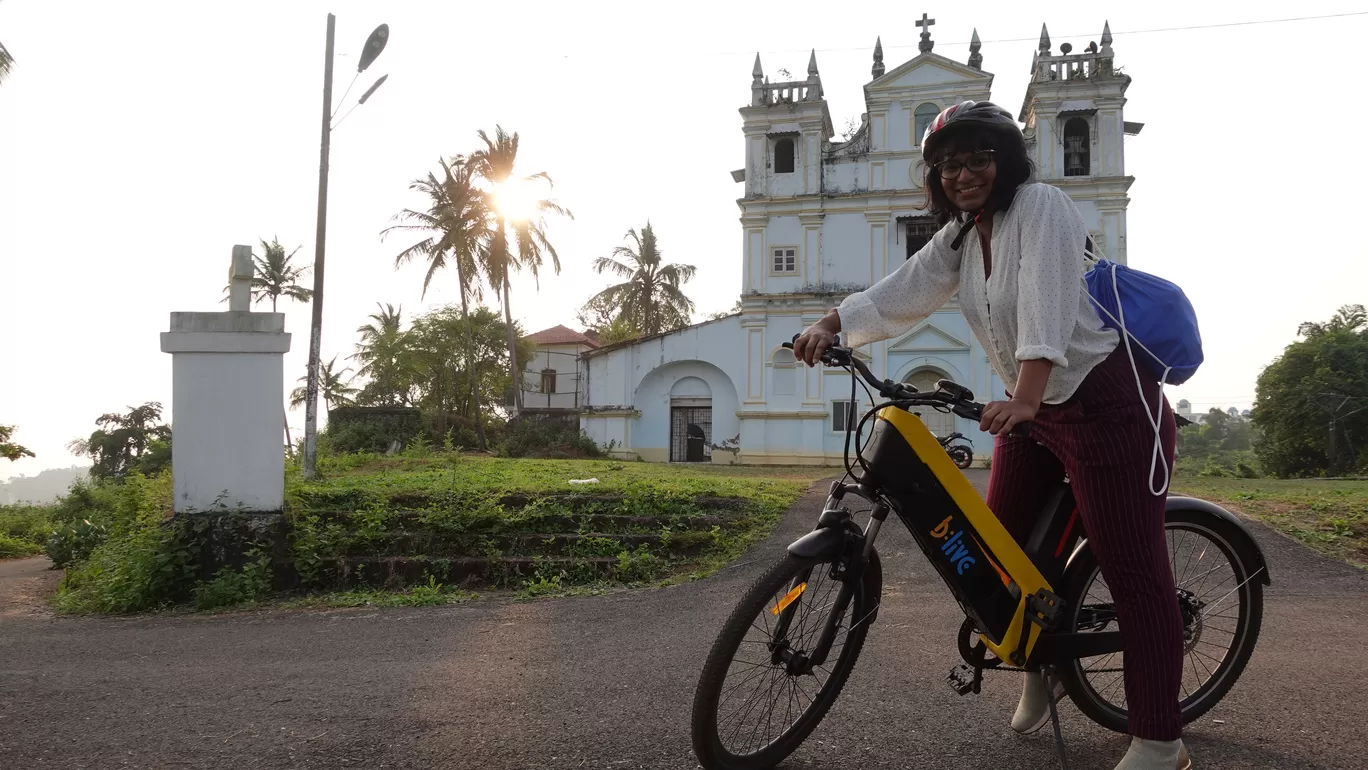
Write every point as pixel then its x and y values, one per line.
pixel 652 297
pixel 496 164
pixel 275 277
pixel 457 222
pixel 6 61
pixel 380 354
pixel 334 391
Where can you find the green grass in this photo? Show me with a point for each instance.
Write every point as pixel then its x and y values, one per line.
pixel 1329 516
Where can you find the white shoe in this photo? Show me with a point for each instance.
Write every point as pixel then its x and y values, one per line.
pixel 1156 755
pixel 1033 712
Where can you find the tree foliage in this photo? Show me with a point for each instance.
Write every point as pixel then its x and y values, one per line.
pixel 332 388
pixel 274 277
pixel 8 449
pixel 604 319
pixel 124 443
pixel 526 246
pixel 1311 405
pixel 458 228
pixel 381 355
pixel 651 297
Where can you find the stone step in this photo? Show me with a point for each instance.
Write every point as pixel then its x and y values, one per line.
pixel 437 544
pixel 414 521
pixel 397 572
pixel 342 501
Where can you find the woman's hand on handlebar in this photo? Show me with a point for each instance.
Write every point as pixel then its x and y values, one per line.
pixel 1003 416
pixel 809 346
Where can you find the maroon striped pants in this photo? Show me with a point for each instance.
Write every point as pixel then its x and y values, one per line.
pixel 1102 438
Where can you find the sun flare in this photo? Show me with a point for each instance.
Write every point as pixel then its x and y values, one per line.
pixel 517 199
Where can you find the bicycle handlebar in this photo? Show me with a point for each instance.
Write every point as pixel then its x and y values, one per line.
pixel 954 396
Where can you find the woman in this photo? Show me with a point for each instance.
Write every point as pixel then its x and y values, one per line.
pixel 1014 251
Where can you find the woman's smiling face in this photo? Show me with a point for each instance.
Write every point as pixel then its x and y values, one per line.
pixel 967 178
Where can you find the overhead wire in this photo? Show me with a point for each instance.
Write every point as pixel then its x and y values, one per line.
pixel 1085 34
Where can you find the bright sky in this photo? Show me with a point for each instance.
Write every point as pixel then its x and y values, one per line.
pixel 139 141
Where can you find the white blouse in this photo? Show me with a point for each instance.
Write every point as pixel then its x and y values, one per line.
pixel 1033 306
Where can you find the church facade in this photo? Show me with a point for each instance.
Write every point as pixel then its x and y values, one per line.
pixel 821 219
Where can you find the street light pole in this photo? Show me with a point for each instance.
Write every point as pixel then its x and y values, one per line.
pixel 374 45
pixel 320 240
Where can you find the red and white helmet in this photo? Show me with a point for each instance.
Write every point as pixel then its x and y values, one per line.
pixel 966 112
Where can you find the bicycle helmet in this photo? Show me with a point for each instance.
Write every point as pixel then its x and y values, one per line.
pixel 965 113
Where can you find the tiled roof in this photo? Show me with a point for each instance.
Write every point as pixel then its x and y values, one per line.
pixel 561 335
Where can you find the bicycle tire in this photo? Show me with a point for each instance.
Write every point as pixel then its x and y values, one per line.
pixel 707 742
pixel 1238 548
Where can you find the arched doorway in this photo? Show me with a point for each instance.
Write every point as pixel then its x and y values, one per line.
pixel 939 423
pixel 690 421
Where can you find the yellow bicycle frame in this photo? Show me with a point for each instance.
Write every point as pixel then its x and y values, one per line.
pixel 1013 567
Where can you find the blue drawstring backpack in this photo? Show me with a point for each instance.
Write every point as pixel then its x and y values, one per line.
pixel 1156 316
pixel 1152 313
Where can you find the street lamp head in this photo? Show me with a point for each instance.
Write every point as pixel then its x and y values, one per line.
pixel 371 90
pixel 374 45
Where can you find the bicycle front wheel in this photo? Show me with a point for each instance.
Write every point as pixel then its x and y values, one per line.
pixel 756 699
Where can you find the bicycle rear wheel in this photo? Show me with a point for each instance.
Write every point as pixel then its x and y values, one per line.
pixel 1221 600
pixel 751 709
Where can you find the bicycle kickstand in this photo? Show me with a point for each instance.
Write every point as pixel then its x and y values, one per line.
pixel 1045 673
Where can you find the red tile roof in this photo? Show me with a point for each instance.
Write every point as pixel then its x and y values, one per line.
pixel 561 335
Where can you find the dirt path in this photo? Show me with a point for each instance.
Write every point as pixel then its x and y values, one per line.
pixel 25 585
pixel 606 682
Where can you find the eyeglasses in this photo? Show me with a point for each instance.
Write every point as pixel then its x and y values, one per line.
pixel 949 169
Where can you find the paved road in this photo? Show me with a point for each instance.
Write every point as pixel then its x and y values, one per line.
pixel 606 682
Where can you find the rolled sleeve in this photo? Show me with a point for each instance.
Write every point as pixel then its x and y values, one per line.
pixel 1052 238
pixel 918 288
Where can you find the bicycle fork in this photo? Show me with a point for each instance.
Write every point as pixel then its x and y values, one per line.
pixel 848 568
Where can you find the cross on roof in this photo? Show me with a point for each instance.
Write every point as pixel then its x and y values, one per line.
pixel 925 23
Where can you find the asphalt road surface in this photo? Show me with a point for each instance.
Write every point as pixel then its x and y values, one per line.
pixel 606 682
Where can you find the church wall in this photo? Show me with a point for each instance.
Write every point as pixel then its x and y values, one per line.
pixel 846 250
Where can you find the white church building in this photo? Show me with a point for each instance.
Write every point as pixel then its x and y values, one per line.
pixel 821 219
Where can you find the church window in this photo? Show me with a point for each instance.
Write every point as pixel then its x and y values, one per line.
pixel 783 156
pixel 919 233
pixel 844 416
pixel 1076 143
pixel 924 115
pixel 785 259
pixel 548 380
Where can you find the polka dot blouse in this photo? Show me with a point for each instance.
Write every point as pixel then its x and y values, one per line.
pixel 1033 306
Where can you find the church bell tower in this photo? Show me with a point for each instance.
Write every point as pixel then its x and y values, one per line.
pixel 1074 116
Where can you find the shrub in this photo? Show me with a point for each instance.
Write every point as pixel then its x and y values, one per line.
pixel 371 429
pixel 548 439
pixel 11 547
pixel 26 524
pixel 70 543
pixel 231 586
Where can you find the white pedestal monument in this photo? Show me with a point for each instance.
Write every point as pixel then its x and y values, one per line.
pixel 228 376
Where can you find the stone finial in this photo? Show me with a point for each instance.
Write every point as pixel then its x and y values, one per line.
pixel 240 279
pixel 1044 40
pixel 878 69
pixel 975 58
pixel 814 91
pixel 757 72
pixel 925 23
pixel 1106 39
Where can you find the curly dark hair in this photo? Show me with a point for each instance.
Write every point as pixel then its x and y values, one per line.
pixel 1014 165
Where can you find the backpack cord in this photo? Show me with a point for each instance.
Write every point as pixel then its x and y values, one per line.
pixel 1154 421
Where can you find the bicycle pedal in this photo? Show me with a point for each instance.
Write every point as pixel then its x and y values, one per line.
pixel 964 679
pixel 1043 608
